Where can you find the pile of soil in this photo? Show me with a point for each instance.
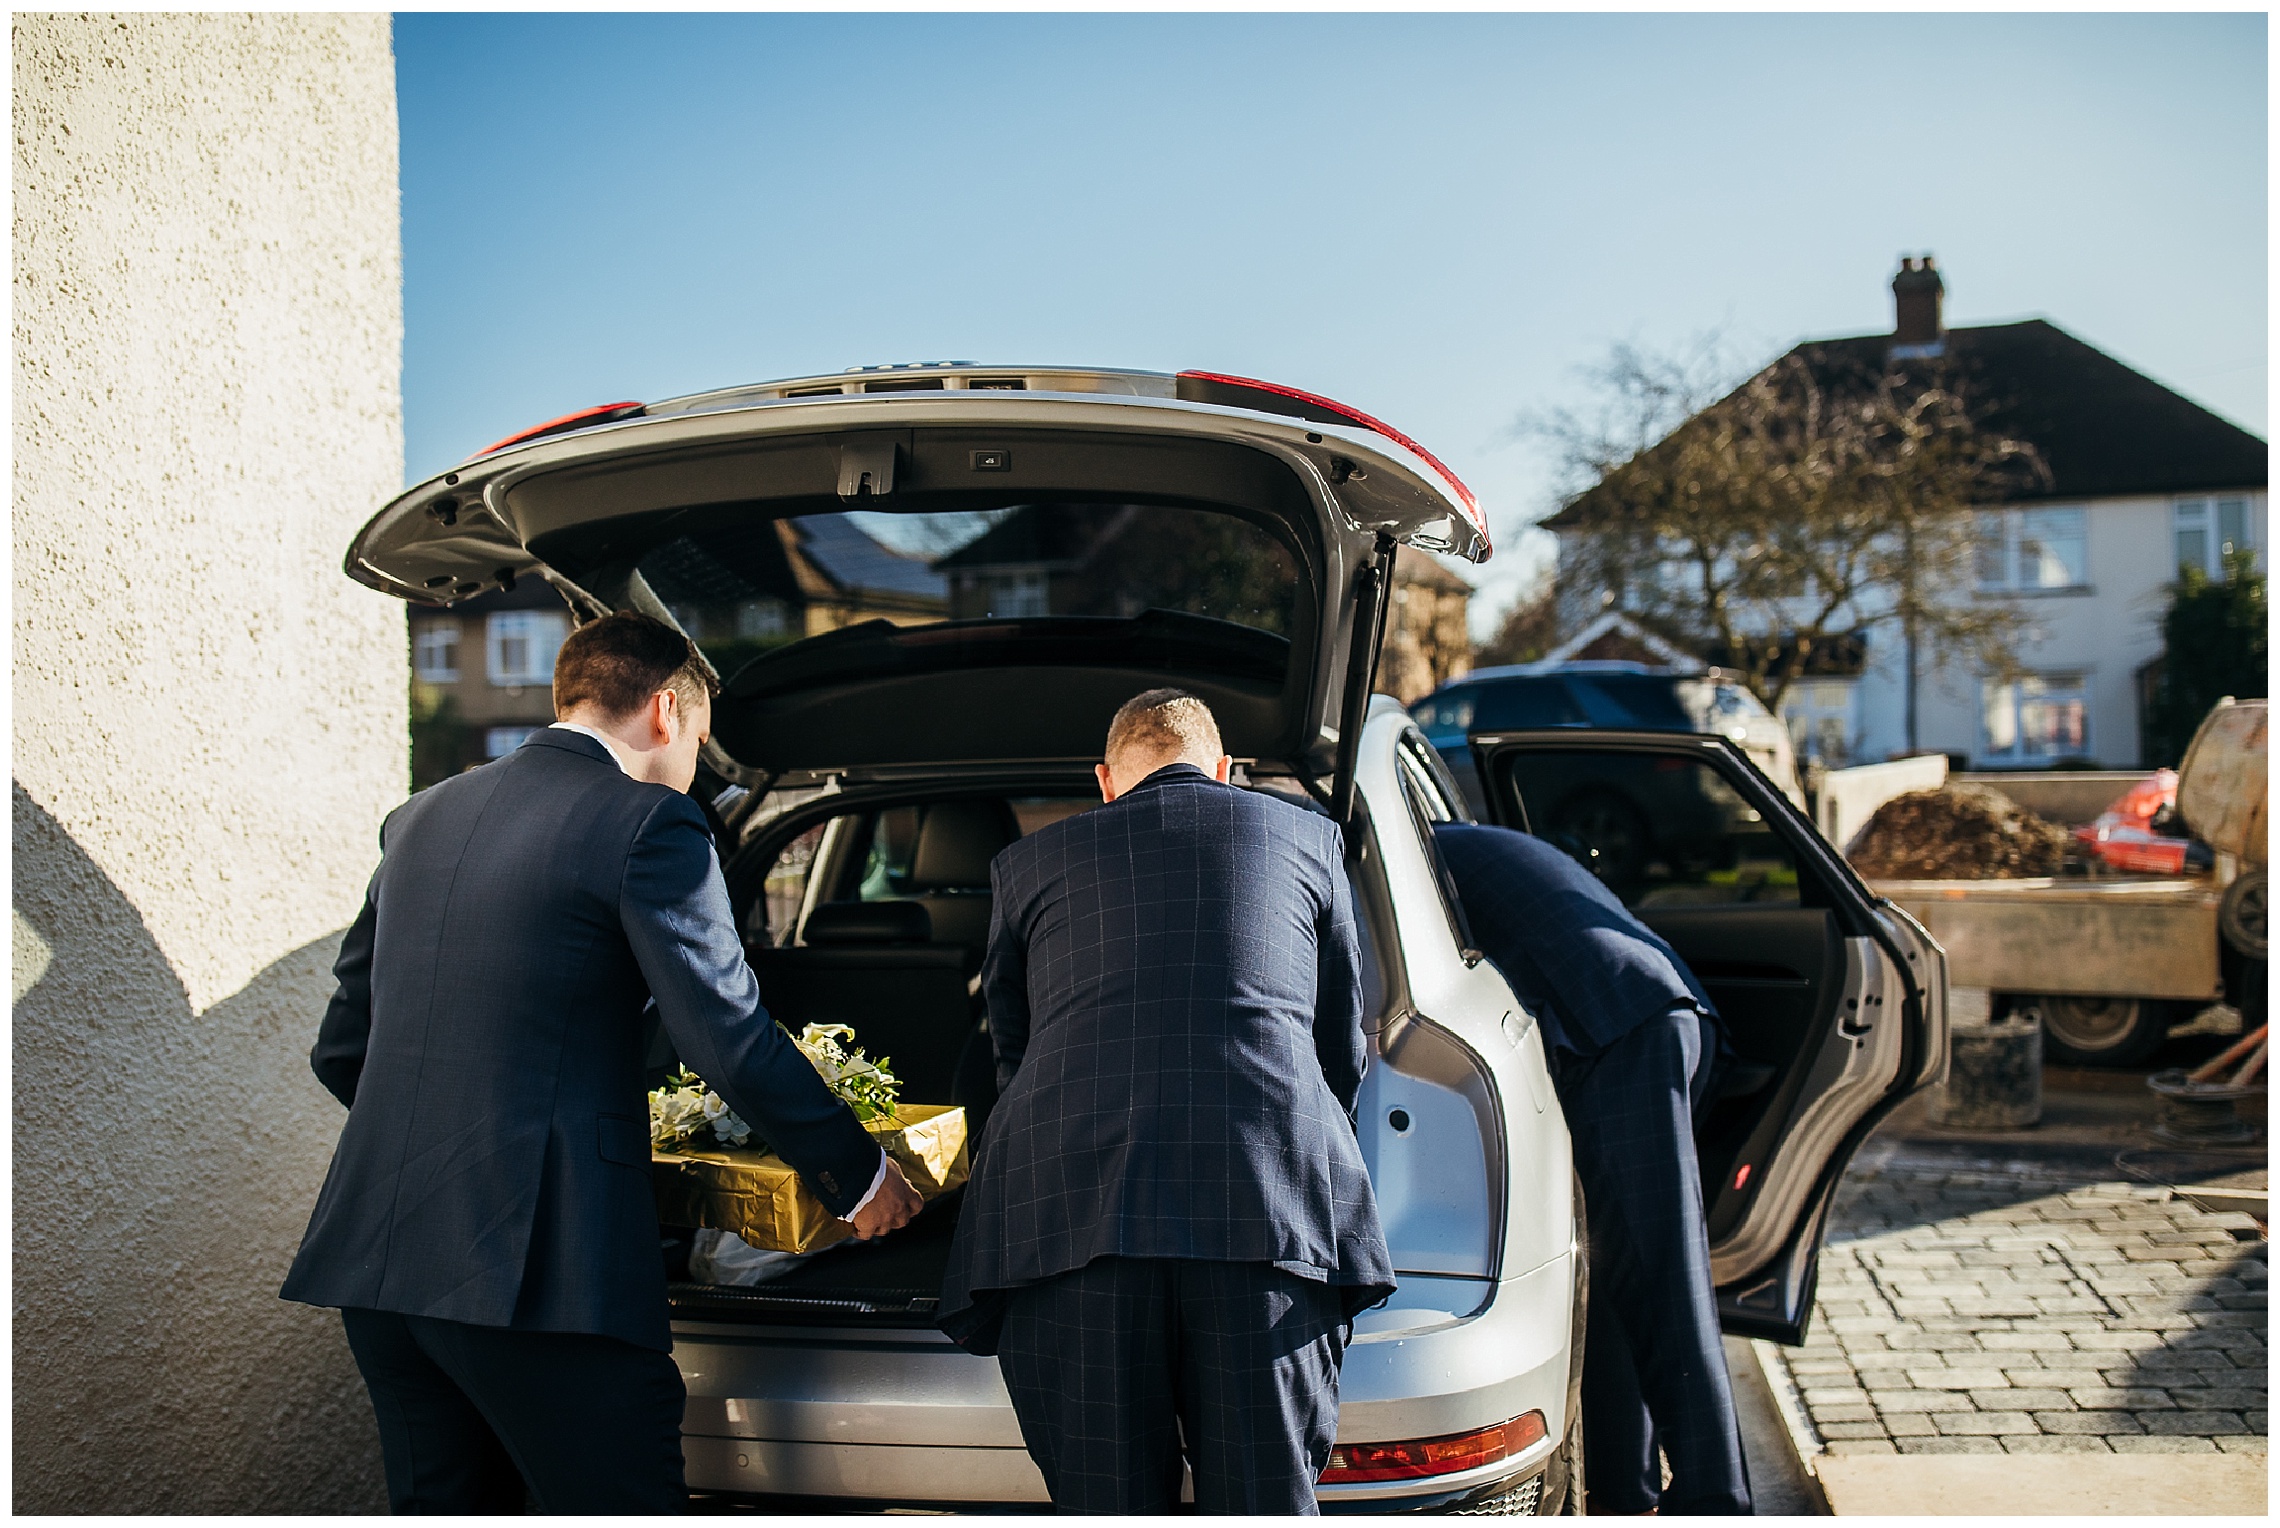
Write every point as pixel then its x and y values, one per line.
pixel 1959 833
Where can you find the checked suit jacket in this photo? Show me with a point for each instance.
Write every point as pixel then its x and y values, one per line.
pixel 487 1037
pixel 1581 960
pixel 1174 990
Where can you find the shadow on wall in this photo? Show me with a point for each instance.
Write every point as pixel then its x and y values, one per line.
pixel 165 1163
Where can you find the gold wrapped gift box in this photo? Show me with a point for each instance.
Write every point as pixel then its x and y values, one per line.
pixel 757 1195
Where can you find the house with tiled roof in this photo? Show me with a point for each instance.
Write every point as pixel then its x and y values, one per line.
pixel 2141 480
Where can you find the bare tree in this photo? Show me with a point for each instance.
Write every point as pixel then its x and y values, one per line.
pixel 1528 629
pixel 1771 520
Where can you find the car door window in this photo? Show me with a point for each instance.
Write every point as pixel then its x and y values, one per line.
pixel 886 862
pixel 1661 830
pixel 784 889
pixel 1430 801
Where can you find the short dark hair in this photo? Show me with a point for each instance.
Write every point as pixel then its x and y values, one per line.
pixel 619 661
pixel 1164 723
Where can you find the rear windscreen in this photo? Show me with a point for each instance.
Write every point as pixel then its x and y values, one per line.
pixel 1497 705
pixel 1649 701
pixel 751 591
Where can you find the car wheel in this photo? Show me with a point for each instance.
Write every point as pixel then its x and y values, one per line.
pixel 2101 1031
pixel 2240 917
pixel 1611 828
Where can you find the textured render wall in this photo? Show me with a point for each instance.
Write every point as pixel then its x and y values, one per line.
pixel 209 725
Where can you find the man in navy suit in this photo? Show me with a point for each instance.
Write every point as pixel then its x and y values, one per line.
pixel 488 1229
pixel 1633 1040
pixel 1169 1229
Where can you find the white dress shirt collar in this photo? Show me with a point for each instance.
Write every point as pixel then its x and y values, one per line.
pixel 585 731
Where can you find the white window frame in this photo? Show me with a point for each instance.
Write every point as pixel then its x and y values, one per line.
pixel 760 620
pixel 2013 524
pixel 2205 513
pixel 1814 708
pixel 435 651
pixel 1017 596
pixel 498 742
pixel 519 646
pixel 2064 684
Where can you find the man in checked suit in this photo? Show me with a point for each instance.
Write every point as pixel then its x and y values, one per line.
pixel 1169 1229
pixel 1633 1041
pixel 488 1230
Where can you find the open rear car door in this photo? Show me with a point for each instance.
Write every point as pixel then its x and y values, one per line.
pixel 1835 1002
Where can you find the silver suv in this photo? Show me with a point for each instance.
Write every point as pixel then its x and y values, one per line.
pixel 927 589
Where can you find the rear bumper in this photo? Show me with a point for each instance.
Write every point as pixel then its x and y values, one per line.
pixel 906 1418
pixel 859 1472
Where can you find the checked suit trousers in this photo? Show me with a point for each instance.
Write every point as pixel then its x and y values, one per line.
pixel 1112 1366
pixel 1654 1367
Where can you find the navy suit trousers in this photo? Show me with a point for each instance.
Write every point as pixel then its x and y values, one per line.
pixel 473 1416
pixel 1113 1365
pixel 1654 1368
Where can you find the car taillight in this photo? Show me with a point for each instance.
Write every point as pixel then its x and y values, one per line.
pixel 604 413
pixel 1433 1456
pixel 1274 398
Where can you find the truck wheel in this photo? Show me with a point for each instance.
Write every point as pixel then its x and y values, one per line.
pixel 2240 916
pixel 2101 1031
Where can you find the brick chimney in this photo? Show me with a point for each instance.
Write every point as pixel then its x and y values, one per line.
pixel 1918 329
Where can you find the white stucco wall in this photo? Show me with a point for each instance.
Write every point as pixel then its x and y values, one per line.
pixel 2104 632
pixel 209 725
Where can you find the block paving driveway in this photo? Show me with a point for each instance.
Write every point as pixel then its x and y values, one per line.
pixel 2016 1307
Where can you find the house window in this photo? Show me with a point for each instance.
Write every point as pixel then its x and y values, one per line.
pixel 2022 550
pixel 435 651
pixel 498 742
pixel 1014 595
pixel 1819 714
pixel 2206 529
pixel 2037 718
pixel 758 620
pixel 521 646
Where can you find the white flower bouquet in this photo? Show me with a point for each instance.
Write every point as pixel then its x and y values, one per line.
pixel 685 1111
pixel 716 1172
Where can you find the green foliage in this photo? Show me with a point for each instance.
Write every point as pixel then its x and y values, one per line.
pixel 1528 631
pixel 441 741
pixel 868 1087
pixel 2214 643
pixel 686 1107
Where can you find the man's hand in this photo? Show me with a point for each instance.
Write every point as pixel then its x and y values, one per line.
pixel 890 1208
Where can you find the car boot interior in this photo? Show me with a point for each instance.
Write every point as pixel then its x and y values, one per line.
pixel 895 914
pixel 950 869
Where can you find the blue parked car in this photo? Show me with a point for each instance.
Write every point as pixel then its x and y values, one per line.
pixel 1624 819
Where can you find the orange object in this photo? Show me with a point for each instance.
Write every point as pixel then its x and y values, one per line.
pixel 2123 836
pixel 2208 1070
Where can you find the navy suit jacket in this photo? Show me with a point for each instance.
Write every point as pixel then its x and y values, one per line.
pixel 1174 988
pixel 1582 962
pixel 487 1037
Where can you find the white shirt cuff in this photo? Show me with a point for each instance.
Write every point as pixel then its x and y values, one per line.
pixel 878 1181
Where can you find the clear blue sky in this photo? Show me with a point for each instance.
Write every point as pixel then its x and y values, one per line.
pixel 1439 219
